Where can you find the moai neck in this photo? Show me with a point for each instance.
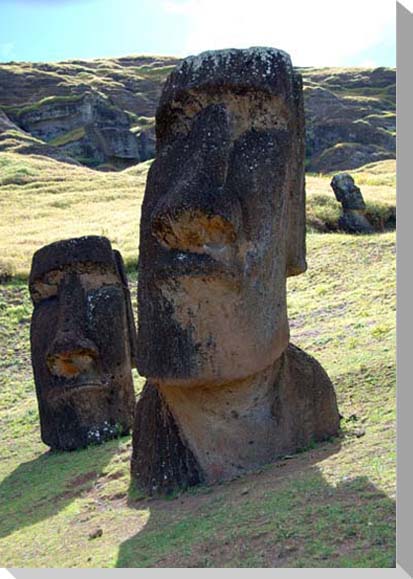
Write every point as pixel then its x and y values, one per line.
pixel 229 428
pixel 187 435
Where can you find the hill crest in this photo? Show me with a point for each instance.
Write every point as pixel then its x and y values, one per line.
pixel 100 112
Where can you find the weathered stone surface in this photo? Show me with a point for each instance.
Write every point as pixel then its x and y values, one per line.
pixel 161 461
pixel 184 436
pixel 349 195
pixel 83 342
pixel 223 225
pixel 353 221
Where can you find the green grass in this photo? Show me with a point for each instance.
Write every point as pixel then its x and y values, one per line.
pixel 44 101
pixel 142 122
pixel 103 75
pixel 332 505
pixel 156 72
pixel 68 137
pixel 11 140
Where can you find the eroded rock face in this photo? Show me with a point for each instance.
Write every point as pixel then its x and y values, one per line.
pixel 349 195
pixel 223 225
pixel 83 342
pixel 5 123
pixel 86 126
pixel 345 130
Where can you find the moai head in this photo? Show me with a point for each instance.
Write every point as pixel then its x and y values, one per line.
pixel 346 192
pixel 223 218
pixel 83 342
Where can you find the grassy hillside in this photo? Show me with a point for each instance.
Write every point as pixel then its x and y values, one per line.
pixel 43 200
pixel 331 506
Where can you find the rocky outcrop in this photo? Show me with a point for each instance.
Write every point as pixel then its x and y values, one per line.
pixel 350 118
pixel 350 113
pixel 17 141
pixel 6 124
pixel 85 126
pixel 346 156
pixel 147 143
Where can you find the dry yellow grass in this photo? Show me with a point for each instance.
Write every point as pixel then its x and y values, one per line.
pixel 377 182
pixel 43 200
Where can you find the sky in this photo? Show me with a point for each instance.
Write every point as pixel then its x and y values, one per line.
pixel 314 32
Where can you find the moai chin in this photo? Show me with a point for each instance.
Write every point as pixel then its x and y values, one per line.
pixel 223 225
pixel 83 342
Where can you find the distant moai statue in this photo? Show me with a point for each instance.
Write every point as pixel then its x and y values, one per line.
pixel 223 225
pixel 352 219
pixel 83 342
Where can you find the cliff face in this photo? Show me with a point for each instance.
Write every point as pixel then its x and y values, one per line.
pixel 101 112
pixel 350 117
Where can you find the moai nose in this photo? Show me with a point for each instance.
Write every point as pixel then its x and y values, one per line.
pixel 71 352
pixel 193 230
pixel 197 210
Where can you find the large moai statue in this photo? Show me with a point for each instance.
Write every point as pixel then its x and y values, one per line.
pixel 223 225
pixel 83 342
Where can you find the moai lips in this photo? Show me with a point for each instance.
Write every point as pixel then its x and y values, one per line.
pixel 223 225
pixel 83 342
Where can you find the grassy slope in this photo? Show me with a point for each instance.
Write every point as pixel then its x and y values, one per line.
pixel 43 200
pixel 133 83
pixel 330 506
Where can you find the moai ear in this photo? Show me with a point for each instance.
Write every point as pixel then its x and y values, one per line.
pixel 120 266
pixel 296 262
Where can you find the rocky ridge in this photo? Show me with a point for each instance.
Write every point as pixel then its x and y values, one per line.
pixel 101 112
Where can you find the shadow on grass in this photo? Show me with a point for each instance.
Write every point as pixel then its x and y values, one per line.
pixel 42 487
pixel 286 515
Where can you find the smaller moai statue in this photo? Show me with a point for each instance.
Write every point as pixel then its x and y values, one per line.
pixel 352 219
pixel 83 342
